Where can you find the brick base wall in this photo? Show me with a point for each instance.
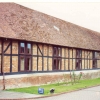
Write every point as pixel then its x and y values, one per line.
pixel 26 80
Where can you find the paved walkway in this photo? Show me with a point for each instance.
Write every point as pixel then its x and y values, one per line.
pixel 85 94
pixel 16 95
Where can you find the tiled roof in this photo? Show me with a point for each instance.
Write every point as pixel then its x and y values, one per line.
pixel 18 22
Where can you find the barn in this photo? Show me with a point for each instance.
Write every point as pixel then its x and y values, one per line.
pixel 36 48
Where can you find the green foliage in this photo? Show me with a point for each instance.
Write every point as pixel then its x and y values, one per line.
pixel 62 87
pixel 76 78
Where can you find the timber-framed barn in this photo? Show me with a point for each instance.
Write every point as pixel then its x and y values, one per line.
pixel 36 48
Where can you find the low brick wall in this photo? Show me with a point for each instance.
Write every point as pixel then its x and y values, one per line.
pixel 26 80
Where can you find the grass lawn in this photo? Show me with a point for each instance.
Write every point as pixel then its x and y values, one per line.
pixel 59 88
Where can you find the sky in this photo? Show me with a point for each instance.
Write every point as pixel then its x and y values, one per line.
pixel 85 13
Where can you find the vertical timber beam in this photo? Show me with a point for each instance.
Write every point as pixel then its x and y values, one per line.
pixel 84 59
pixel 37 57
pixel 81 59
pixel 64 58
pixel 68 59
pixel 2 65
pixel 87 59
pixel 31 57
pixel 42 57
pixel 72 58
pixel 11 57
pixel 47 57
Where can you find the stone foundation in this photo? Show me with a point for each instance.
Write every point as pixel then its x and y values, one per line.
pixel 26 80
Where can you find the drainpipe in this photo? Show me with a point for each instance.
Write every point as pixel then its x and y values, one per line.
pixel 2 65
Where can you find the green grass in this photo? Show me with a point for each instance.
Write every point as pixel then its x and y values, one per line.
pixel 59 88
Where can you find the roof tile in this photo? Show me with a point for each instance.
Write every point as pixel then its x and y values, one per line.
pixel 22 23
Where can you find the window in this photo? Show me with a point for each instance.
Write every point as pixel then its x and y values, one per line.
pixel 95 54
pixel 78 59
pixel 22 47
pixel 29 48
pixel 22 63
pixel 56 58
pixel 25 56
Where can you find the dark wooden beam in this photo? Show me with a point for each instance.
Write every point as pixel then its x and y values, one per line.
pixel 42 57
pixel 39 49
pixel 2 65
pixel 11 57
pixel 2 57
pixel 7 47
pixel 37 57
pixel 47 58
pixel 72 58
pixel 84 59
pixel 68 60
pixel 18 56
pixel 64 59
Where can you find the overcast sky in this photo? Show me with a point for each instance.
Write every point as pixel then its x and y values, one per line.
pixel 85 14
